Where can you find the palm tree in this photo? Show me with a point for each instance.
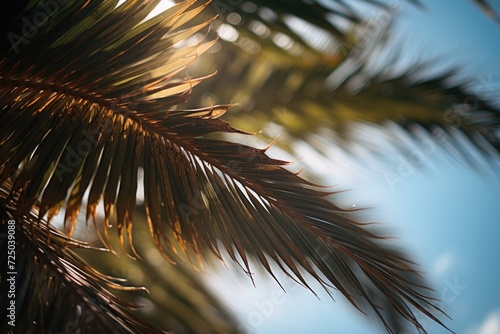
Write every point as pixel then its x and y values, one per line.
pixel 343 76
pixel 92 93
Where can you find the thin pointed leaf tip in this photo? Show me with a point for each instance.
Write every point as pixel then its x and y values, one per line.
pixel 84 108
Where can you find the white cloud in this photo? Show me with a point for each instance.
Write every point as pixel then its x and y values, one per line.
pixel 491 324
pixel 443 263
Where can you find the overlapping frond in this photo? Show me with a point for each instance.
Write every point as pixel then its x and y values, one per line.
pixel 55 291
pixel 179 300
pixel 272 84
pixel 66 285
pixel 83 108
pixel 303 32
pixel 452 114
pixel 456 116
pixel 488 9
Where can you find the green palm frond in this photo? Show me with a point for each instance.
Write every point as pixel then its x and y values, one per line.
pixel 83 108
pixel 449 112
pixel 414 102
pixel 307 98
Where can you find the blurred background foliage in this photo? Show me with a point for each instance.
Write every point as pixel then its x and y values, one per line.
pixel 329 67
pixel 312 72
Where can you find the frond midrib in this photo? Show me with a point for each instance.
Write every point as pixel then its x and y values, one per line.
pixel 125 111
pixel 60 89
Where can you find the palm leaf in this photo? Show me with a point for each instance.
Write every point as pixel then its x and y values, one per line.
pixel 55 290
pixel 83 108
pixel 68 285
pixel 178 300
pixel 275 85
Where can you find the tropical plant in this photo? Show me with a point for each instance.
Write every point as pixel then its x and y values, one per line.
pixel 348 74
pixel 93 93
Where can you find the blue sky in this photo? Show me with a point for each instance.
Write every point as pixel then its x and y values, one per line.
pixel 445 214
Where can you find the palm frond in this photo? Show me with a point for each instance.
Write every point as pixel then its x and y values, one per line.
pixel 55 290
pixel 447 111
pixel 304 98
pixel 179 300
pixel 442 106
pixel 83 108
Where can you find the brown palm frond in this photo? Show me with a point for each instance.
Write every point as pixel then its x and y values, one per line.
pixel 55 291
pixel 83 108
